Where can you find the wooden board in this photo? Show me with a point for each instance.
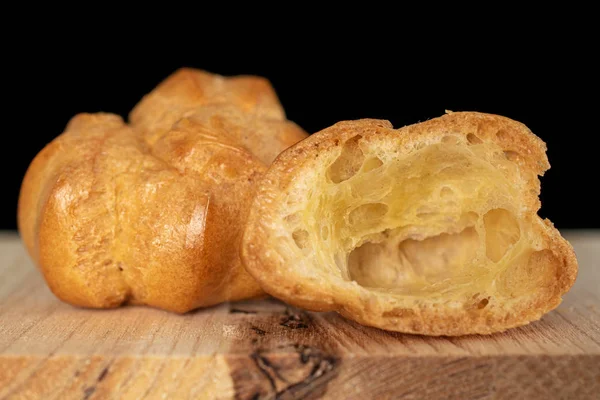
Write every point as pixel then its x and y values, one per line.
pixel 265 349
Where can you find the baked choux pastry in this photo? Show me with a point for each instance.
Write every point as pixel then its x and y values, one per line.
pixel 429 229
pixel 152 213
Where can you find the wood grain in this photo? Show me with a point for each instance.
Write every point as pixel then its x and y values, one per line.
pixel 265 349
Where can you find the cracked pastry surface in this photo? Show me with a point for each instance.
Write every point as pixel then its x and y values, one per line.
pixel 151 212
pixel 431 228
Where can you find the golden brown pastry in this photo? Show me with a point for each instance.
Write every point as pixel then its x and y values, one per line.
pixel 245 109
pixel 430 229
pixel 153 213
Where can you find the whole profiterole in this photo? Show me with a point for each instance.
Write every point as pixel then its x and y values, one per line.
pixel 151 212
pixel 431 228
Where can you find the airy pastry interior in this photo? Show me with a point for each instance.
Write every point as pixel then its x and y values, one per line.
pixel 446 220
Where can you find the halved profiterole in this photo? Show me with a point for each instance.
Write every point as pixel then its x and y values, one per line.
pixel 431 228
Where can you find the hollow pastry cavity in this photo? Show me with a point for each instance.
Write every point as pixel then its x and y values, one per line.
pixel 418 224
pixel 428 229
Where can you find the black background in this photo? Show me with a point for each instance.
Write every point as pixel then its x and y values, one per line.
pixel 545 81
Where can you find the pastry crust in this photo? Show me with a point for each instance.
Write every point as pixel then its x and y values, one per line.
pixel 245 109
pixel 430 229
pixel 152 213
